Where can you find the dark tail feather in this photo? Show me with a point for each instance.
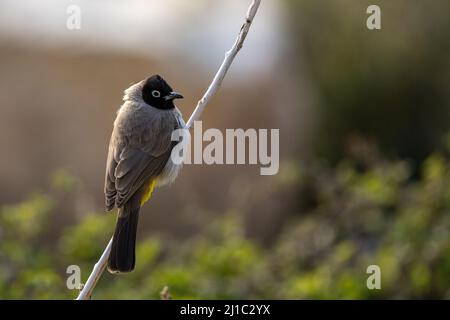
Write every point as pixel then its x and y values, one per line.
pixel 122 257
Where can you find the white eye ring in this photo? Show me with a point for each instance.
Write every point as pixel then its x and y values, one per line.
pixel 156 94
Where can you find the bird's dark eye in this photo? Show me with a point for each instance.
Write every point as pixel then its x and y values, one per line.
pixel 156 94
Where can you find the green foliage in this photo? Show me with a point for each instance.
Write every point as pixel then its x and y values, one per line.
pixel 85 240
pixel 378 215
pixel 26 219
pixel 61 179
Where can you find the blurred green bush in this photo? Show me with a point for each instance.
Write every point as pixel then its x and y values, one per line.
pixel 359 217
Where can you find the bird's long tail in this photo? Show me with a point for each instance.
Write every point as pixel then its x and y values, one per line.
pixel 122 257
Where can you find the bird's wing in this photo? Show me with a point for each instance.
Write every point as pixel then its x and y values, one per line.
pixel 136 169
pixel 110 179
pixel 137 161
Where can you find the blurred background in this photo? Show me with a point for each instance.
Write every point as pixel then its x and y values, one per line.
pixel 364 139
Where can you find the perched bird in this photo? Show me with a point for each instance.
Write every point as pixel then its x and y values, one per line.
pixel 139 158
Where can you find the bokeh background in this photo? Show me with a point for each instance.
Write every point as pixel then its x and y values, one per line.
pixel 364 139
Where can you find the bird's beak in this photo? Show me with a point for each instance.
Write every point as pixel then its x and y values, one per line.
pixel 173 95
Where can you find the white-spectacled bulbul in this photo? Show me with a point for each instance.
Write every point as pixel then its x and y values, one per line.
pixel 138 160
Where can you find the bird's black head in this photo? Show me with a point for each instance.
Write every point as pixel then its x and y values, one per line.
pixel 157 93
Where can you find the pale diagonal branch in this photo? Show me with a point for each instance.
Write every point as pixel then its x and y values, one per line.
pixel 100 266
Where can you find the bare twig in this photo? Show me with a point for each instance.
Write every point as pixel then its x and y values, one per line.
pixel 86 292
pixel 212 89
pixel 165 294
